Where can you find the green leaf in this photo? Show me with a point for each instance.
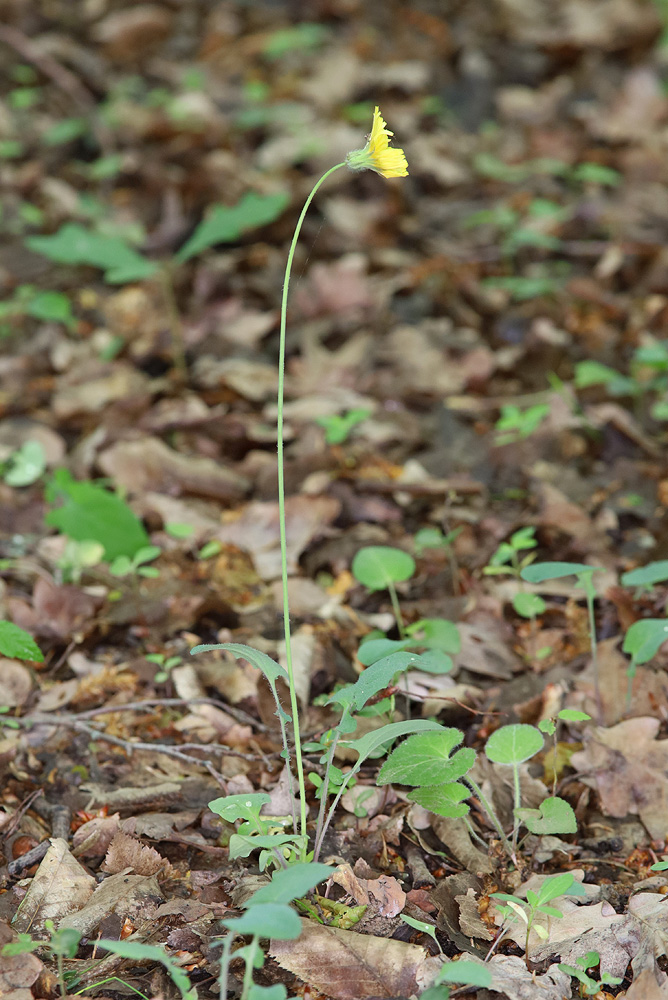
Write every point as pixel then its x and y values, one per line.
pixel 267 920
pixel 529 605
pixel 434 661
pixel 270 668
pixel 291 883
pixel 226 224
pixel 554 815
pixel 372 680
pixel 466 972
pixel 594 373
pixel 376 566
pixel 444 800
pixel 18 644
pixel 91 513
pixel 23 946
pixel 242 806
pixel 647 576
pixel 514 744
pixel 141 952
pixel 553 888
pixel 573 715
pixel 73 244
pixel 539 572
pixel 435 633
pixel 645 637
pixel 53 307
pixel 419 925
pixel 242 846
pixel 26 465
pixel 275 992
pixel 376 649
pixel 366 744
pixel 424 759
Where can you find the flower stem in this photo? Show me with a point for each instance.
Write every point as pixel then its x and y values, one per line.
pixel 294 708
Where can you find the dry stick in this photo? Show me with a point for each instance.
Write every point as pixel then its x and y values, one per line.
pixel 236 713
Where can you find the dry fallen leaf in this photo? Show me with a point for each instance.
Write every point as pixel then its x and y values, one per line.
pixel 384 892
pixel 134 896
pixel 60 886
pixel 126 852
pixel 347 965
pixel 628 767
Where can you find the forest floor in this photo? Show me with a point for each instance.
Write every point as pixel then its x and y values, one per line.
pixel 477 375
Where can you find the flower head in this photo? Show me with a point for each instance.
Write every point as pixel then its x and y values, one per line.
pixel 378 155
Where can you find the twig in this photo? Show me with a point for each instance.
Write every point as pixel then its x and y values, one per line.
pixel 132 706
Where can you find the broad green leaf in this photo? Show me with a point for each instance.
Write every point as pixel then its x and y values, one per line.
pixel 377 649
pixel 645 637
pixel 225 224
pixel 424 759
pixel 291 883
pixel 18 644
pixel 539 572
pixel 434 661
pixel 444 800
pixel 529 605
pixel 270 668
pixel 573 715
pixel 53 307
pixel 466 972
pixel 366 744
pixel 647 576
pixel 419 925
pixel 140 952
pixel 73 244
pixel 554 815
pixel 267 920
pixel 26 465
pixel 242 846
pixel 552 888
pixel 91 513
pixel 275 992
pixel 378 565
pixel 514 744
pixel 242 806
pixel 373 679
pixel 435 633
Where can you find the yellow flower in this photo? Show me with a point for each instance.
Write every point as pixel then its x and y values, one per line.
pixel 378 155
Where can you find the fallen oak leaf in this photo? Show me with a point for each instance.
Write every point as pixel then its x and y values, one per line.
pixel 384 892
pixel 628 767
pixel 346 965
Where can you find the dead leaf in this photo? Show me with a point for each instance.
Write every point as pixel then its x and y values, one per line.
pixel 15 683
pixel 512 979
pixel 147 463
pixel 92 839
pixel 628 767
pixel 17 972
pixel 125 852
pixel 346 965
pixel 256 530
pixel 60 885
pixel 134 896
pixel 384 892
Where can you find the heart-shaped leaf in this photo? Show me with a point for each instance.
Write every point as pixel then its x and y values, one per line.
pixel 514 744
pixel 554 815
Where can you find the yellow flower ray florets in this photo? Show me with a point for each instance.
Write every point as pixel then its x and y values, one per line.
pixel 378 155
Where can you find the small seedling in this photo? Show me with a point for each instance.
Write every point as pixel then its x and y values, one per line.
pixel 584 575
pixel 643 641
pixel 127 566
pixel 337 427
pixel 506 560
pixel 63 943
pixel 78 557
pixel 167 663
pixel 140 952
pixel 515 424
pixel 549 727
pixel 527 910
pixel 379 567
pixel 588 986
pixel 513 745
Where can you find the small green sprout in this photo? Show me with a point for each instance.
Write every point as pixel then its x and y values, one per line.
pixel 588 986
pixel 506 560
pixel 126 566
pixel 515 424
pixel 337 427
pixel 536 904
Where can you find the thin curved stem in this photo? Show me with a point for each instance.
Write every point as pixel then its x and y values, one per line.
pixel 281 505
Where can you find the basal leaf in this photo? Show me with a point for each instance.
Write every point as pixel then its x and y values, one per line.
pixel 554 815
pixel 270 668
pixel 514 744
pixel 18 644
pixel 377 565
pixel 225 224
pixel 444 800
pixel 424 759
